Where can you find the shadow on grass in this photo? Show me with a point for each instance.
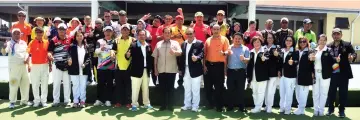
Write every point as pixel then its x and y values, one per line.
pixel 187 114
pixel 95 109
pixel 212 114
pixel 8 109
pixel 125 112
pixel 23 110
pixel 157 113
pixel 235 115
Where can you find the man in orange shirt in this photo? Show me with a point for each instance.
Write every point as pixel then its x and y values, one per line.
pixel 40 67
pixel 178 31
pixel 24 27
pixel 216 49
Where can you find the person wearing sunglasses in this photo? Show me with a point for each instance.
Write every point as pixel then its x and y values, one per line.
pixel 305 77
pixel 24 27
pixel 282 33
pixel 307 32
pixel 40 67
pixel 191 69
pixel 58 53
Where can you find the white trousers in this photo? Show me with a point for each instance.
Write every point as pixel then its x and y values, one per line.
pixel 39 75
pixel 320 92
pixel 301 93
pixel 58 76
pixel 192 90
pixel 79 87
pixel 18 77
pixel 258 89
pixel 270 91
pixel 287 86
pixel 136 84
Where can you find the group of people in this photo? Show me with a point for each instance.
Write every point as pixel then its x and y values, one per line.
pixel 127 55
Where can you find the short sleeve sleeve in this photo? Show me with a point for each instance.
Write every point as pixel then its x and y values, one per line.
pixel 155 53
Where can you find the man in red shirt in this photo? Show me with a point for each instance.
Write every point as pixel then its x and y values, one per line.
pixel 202 31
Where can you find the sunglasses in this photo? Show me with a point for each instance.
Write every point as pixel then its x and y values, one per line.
pixel 303 41
pixel 284 22
pixel 189 34
pixel 106 16
pixel 39 32
pixel 61 29
pixel 21 16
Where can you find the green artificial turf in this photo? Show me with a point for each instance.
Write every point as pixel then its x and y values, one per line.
pixel 110 113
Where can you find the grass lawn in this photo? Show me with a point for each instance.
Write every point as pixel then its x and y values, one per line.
pixel 110 113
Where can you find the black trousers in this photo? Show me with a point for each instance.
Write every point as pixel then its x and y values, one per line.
pixel 105 85
pixel 214 77
pixel 153 76
pixel 122 87
pixel 236 79
pixel 337 81
pixel 92 64
pixel 166 84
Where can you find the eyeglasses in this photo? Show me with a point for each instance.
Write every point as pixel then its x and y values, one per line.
pixel 189 34
pixel 21 16
pixel 284 22
pixel 303 41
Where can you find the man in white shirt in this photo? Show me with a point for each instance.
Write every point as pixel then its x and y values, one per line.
pixel 18 76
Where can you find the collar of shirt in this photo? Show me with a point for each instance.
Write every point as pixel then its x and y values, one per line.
pixel 233 46
pixel 302 30
pixel 290 50
pixel 187 41
pixel 306 49
pixel 139 43
pixel 318 48
pixel 261 50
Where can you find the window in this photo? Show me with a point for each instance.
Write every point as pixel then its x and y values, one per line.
pixel 342 22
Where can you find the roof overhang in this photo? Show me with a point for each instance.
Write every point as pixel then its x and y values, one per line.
pixel 304 10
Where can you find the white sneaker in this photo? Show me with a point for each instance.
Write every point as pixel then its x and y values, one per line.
pixel 26 103
pixel 36 104
pixel 108 103
pixel 195 110
pixel 43 104
pixel 268 109
pixel 282 110
pixel 299 111
pixel 255 110
pixel 185 108
pixel 98 103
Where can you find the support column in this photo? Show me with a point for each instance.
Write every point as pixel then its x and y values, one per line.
pixel 26 7
pixel 10 21
pixel 94 10
pixel 252 10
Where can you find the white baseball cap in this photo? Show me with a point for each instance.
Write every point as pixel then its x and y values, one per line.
pixel 62 25
pixel 108 28
pixel 15 29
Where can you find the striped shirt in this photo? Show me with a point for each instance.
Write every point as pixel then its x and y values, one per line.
pixel 59 48
pixel 104 61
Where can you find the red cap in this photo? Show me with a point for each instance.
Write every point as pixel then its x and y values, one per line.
pixel 179 17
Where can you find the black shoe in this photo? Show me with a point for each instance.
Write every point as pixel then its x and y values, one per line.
pixel 243 110
pixel 330 112
pixel 342 114
pixel 162 108
pixel 229 109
